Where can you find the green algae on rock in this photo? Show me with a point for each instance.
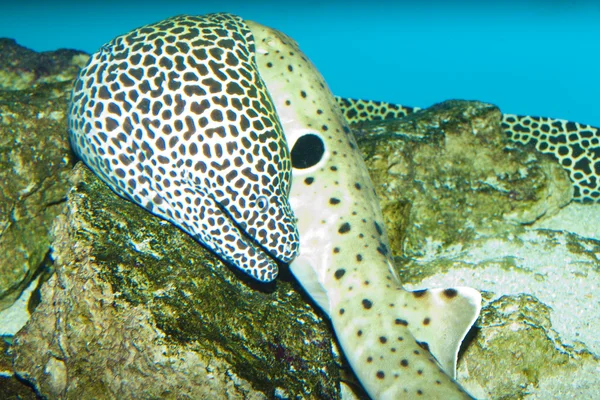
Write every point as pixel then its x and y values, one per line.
pixel 451 164
pixel 155 303
pixel 10 386
pixel 34 161
pixel 520 341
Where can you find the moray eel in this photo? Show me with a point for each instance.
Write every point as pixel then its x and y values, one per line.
pixel 575 146
pixel 175 117
pixel 226 129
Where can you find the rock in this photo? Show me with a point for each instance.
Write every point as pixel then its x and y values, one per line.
pixel 21 68
pixel 35 160
pixel 138 309
pixel 10 386
pixel 524 356
pixel 444 177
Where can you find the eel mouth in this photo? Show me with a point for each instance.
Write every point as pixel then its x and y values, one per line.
pixel 251 241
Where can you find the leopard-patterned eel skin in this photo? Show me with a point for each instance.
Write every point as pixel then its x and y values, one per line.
pixel 576 146
pixel 175 117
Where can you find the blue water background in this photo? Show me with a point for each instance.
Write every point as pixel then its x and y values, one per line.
pixel 536 58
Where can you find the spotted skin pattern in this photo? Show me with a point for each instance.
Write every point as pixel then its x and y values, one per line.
pixel 356 111
pixel 576 146
pixel 175 117
pixel 387 333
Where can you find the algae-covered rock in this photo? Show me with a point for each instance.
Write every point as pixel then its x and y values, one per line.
pixel 445 176
pixel 21 68
pixel 138 309
pixel 10 386
pixel 34 160
pixel 524 356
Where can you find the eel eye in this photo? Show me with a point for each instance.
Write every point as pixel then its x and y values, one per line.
pixel 262 203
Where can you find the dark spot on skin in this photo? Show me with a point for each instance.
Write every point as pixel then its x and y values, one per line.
pixel 336 250
pixel 367 304
pixel 307 151
pixel 334 201
pixel 419 392
pixel 309 180
pixel 234 88
pixel 378 228
pixel 404 363
pixel 342 311
pixel 382 339
pixel 345 228
pixel 426 321
pixel 339 273
pixel 103 93
pixel 382 249
pixel 359 258
pixel 111 124
pixel 420 372
pixel 419 293
pixel 359 333
pixel 380 375
pixel 450 293
pixel 401 322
